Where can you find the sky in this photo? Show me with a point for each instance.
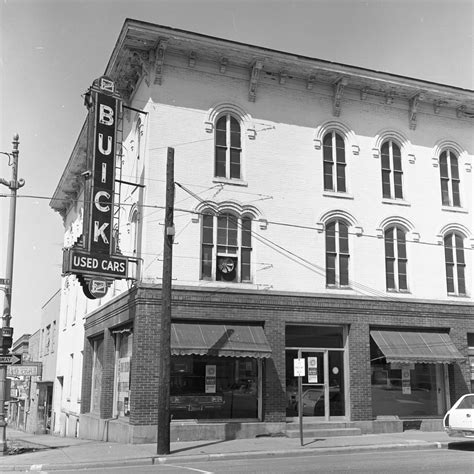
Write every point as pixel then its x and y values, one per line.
pixel 52 50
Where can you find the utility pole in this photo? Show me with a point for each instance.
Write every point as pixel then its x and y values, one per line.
pixel 6 336
pixel 164 414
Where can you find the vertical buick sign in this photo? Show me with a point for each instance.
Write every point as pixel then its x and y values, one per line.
pixel 96 261
pixel 103 174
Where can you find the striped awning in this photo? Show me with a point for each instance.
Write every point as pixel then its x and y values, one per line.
pixel 220 340
pixel 419 347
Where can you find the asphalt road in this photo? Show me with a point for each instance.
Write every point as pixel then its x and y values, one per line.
pixel 460 460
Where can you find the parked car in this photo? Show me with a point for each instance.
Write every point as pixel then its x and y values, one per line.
pixel 459 420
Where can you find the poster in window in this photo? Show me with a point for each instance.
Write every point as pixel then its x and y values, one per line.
pixel 312 370
pixel 210 379
pixel 124 386
pixel 406 381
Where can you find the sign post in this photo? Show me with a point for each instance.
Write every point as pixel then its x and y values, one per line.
pixel 299 369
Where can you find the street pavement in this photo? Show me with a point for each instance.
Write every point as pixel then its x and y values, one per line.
pixel 47 453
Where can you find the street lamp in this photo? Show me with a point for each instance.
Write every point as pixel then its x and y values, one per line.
pixel 6 335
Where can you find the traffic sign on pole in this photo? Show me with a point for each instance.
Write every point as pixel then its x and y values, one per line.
pixel 9 359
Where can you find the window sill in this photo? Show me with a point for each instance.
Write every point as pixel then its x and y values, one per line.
pixel 335 194
pixel 401 292
pixel 396 202
pixel 457 295
pixel 334 287
pixel 454 209
pixel 233 182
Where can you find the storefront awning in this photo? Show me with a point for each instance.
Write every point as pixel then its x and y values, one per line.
pixel 421 347
pixel 219 340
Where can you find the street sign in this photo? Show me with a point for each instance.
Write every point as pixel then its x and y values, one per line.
pixel 24 370
pixel 299 367
pixel 9 359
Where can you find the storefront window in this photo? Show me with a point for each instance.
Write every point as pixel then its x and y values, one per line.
pixel 470 343
pixel 405 390
pixel 97 364
pixel 204 387
pixel 123 354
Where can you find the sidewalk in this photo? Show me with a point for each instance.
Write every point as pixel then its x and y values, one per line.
pixel 56 453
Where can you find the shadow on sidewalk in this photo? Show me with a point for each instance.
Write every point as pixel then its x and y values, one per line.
pixel 462 445
pixel 198 446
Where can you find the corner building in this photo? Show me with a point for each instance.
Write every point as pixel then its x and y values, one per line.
pixel 322 212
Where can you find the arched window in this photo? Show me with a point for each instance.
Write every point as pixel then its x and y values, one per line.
pixel 337 253
pixel 226 247
pixel 449 174
pixel 396 259
pixel 455 263
pixel 334 158
pixel 228 148
pixel 392 173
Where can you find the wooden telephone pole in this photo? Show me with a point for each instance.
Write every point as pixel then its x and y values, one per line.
pixel 164 414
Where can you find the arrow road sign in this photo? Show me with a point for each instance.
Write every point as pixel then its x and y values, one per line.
pixel 9 359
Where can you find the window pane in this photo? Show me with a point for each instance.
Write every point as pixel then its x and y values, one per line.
pixel 443 165
pixel 459 249
pixel 454 166
pixel 461 280
pixel 341 178
pixel 246 232
pixel 222 230
pixel 389 251
pixel 397 158
pixel 401 244
pixel 402 275
pixel 389 273
pixel 331 237
pixel 344 270
pixel 385 155
pixel 330 269
pixel 327 140
pixel 234 133
pixel 445 192
pixel 328 184
pixel 450 277
pixel 340 147
pixel 386 184
pixel 245 265
pixel 235 163
pixel 448 249
pixel 398 185
pixel 220 161
pixel 221 132
pixel 343 238
pixel 206 263
pixel 456 196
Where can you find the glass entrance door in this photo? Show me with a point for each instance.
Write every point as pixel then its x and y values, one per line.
pixel 322 385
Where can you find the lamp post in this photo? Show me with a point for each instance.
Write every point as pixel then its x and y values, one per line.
pixel 6 335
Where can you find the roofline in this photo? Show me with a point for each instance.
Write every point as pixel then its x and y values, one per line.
pixel 129 22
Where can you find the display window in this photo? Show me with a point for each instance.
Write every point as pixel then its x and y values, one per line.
pixel 406 389
pixel 123 354
pixel 204 387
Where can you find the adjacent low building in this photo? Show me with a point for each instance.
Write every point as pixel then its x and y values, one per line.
pixel 323 212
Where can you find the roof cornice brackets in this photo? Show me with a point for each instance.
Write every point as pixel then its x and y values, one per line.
pixel 223 65
pixel 461 112
pixel 160 60
pixel 310 82
pixel 141 59
pixel 257 66
pixel 192 59
pixel 413 104
pixel 338 88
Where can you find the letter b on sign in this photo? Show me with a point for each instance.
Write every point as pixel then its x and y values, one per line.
pixel 106 115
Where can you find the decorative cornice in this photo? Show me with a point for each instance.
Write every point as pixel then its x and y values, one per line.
pixel 192 59
pixel 413 109
pixel 160 60
pixel 338 89
pixel 223 63
pixel 254 77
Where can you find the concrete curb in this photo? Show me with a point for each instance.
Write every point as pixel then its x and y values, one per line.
pixel 170 459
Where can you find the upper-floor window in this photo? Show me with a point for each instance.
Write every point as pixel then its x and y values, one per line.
pixel 228 148
pixel 455 263
pixel 337 253
pixel 392 173
pixel 334 158
pixel 396 259
pixel 226 247
pixel 449 174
